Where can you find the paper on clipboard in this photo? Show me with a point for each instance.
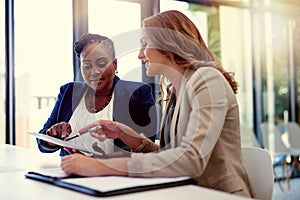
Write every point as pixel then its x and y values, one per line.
pixel 59 142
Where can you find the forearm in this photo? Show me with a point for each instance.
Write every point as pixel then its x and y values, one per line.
pixel 89 166
pixel 132 139
pixel 113 167
pixel 137 142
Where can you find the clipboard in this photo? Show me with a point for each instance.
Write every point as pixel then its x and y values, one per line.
pixel 105 186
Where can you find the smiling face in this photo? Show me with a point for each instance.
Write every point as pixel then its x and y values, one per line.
pixel 155 61
pixel 98 67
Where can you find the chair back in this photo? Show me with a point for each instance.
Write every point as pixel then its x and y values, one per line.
pixel 279 146
pixel 293 130
pixel 260 171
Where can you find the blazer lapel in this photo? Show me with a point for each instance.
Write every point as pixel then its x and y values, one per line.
pixel 173 130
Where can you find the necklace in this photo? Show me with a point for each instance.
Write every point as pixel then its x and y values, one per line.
pixel 92 106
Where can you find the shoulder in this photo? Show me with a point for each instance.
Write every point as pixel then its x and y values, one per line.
pixel 206 77
pixel 132 88
pixel 133 85
pixel 206 82
pixel 73 86
pixel 209 85
pixel 206 73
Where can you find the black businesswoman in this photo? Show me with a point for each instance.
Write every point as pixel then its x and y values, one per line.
pixel 102 95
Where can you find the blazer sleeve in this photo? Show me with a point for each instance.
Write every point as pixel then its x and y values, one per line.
pixel 62 111
pixel 195 143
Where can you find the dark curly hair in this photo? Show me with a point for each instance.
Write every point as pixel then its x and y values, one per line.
pixel 88 38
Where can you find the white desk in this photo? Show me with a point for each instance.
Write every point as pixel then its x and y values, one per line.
pixel 14 158
pixel 16 161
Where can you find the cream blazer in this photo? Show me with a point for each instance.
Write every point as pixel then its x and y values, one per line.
pixel 205 137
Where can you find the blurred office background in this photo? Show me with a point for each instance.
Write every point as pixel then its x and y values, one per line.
pixel 258 40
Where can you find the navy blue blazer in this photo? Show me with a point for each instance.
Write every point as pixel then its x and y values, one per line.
pixel 133 105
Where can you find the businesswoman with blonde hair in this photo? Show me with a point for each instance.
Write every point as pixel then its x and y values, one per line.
pixel 200 129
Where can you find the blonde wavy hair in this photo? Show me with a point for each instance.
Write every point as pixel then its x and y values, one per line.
pixel 176 36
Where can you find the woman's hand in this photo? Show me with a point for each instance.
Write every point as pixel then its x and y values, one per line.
pixel 112 130
pixel 60 130
pixel 79 164
pixel 109 129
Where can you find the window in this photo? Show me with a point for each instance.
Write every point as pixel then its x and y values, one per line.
pixel 221 29
pixel 296 62
pixel 123 30
pixel 2 75
pixel 236 56
pixel 43 61
pixel 275 71
pixel 257 43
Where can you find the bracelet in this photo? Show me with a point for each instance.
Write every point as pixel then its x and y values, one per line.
pixel 146 146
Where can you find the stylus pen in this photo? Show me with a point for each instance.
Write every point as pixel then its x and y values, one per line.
pixel 80 134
